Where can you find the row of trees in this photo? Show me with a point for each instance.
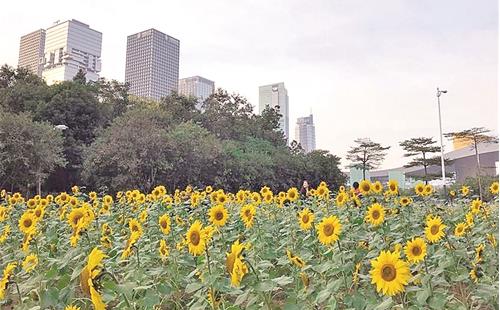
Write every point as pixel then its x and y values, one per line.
pixel 367 155
pixel 96 134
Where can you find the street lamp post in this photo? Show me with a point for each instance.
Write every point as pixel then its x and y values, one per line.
pixel 438 94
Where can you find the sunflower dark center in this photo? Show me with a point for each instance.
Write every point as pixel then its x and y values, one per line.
pixel 434 229
pixel 134 228
pixel 328 230
pixel 194 238
pixel 388 272
pixel 163 224
pixel 305 218
pixel 76 218
pixel 27 223
pixel 366 187
pixel 375 214
pixel 416 250
pixel 247 213
pixel 219 215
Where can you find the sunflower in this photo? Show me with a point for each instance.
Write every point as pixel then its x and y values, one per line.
pixel 292 194
pixel 195 240
pixel 393 187
pixel 341 198
pixel 420 189
pixel 415 250
pixel 365 187
pixel 434 230
pixel 494 188
pixel 460 229
pixel 329 230
pixel 27 223
pixel 405 201
pixel 464 190
pixel 428 190
pixel 256 198
pixel 476 206
pixel 91 270
pixel 469 219
pixel 71 307
pixel 377 187
pixel 164 222
pixel 218 215
pixel 389 273
pixel 163 249
pixel 235 265
pixel 294 259
pixel 479 253
pixel 135 227
pixel 75 216
pixel 247 214
pixel 306 219
pixel 30 263
pixel 375 214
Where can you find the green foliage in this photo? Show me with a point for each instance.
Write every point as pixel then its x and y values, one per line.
pixel 366 155
pixel 29 150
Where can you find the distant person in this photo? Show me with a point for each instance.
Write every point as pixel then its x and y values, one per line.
pixel 304 190
pixel 355 185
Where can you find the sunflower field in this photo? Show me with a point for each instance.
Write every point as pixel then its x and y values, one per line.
pixel 376 248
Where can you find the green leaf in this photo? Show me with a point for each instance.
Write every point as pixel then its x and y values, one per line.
pixel 265 286
pixel 322 296
pixel 241 298
pixel 386 304
pixel 193 287
pixel 422 296
pixel 283 280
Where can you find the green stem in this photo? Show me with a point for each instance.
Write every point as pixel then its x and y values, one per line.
pixel 430 277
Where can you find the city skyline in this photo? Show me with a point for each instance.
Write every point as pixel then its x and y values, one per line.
pixel 361 74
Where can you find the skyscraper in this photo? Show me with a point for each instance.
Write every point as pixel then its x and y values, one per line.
pixel 69 47
pixel 31 51
pixel 152 64
pixel 198 87
pixel 276 95
pixel 305 133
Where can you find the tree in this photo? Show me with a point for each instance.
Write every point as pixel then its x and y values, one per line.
pixel 80 77
pixel 192 156
pixel 366 155
pixel 421 146
pixel 131 153
pixel 475 135
pixel 21 90
pixel 227 116
pixel 29 151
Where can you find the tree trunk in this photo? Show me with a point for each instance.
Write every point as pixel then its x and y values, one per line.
pixel 425 168
pixel 478 170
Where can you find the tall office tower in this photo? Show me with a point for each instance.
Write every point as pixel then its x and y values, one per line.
pixel 198 87
pixel 31 51
pixel 305 133
pixel 69 47
pixel 152 64
pixel 276 95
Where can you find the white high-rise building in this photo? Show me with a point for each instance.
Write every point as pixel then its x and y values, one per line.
pixel 198 87
pixel 305 133
pixel 276 95
pixel 69 47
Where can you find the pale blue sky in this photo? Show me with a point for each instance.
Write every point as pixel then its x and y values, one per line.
pixel 365 68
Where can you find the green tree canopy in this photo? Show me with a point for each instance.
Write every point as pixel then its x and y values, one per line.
pixel 366 155
pixel 29 150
